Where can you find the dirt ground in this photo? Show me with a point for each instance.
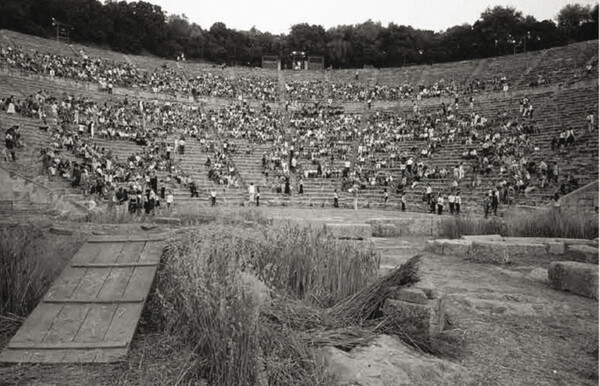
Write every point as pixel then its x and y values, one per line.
pixel 516 330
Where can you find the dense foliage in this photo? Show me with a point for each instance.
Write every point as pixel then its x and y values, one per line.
pixel 138 27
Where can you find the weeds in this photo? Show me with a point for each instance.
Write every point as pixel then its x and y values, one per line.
pixel 529 224
pixel 22 278
pixel 201 295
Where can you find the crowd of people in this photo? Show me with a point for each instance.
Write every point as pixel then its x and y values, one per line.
pixel 388 151
pixel 109 74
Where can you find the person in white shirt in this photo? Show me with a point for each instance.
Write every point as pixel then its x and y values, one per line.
pixel 251 192
pixel 440 203
pixel 451 200
pixel 213 196
pixel 169 199
pixel 590 122
pixel 457 203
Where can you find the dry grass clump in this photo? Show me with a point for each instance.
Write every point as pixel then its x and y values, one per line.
pixel 308 264
pixel 22 277
pixel 548 223
pixel 320 292
pixel 202 295
pixel 201 298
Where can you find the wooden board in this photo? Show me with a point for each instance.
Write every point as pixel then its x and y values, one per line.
pixel 91 311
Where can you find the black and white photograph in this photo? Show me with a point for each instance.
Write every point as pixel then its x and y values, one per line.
pixel 299 193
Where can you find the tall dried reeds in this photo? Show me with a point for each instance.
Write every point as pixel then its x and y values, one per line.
pixel 200 295
pixel 22 278
pixel 543 223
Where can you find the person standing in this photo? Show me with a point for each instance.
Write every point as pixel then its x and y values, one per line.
pixel 169 199
pixel 451 201
pixel 403 201
pixel 429 193
pixel 457 203
pixel 486 204
pixel 257 196
pixel 301 187
pixel 335 199
pixel 385 197
pixel 556 202
pixel 495 201
pixel 251 192
pixel 213 196
pixel 440 204
pixel 355 193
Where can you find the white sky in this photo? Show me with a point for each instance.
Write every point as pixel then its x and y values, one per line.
pixel 276 16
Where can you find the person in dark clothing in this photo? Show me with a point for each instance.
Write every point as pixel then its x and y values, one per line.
pixel 495 202
pixel 213 197
pixel 193 189
pixel 257 196
pixel 76 176
pixel 301 187
pixel 162 192
pixel 287 186
pixel 486 204
pixel 154 183
pixel 335 199
pixel 403 201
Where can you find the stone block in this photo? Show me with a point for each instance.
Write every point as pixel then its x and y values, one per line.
pixel 456 247
pixel 384 230
pixel 387 361
pixel 60 231
pixel 578 278
pixel 529 250
pixel 427 287
pixel 482 237
pixel 582 253
pixel 489 252
pixel 349 231
pixel 555 248
pixel 417 320
pixel 435 246
pixel 409 294
pixel 167 220
pixel 408 226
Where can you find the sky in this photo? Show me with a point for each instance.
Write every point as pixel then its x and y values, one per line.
pixel 277 16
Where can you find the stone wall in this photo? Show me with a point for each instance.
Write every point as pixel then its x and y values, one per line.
pixel 583 199
pixel 24 193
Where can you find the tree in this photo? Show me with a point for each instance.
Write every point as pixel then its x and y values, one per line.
pixel 572 16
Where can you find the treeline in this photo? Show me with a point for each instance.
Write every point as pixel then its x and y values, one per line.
pixel 140 27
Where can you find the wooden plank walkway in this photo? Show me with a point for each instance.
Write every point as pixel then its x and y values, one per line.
pixel 91 311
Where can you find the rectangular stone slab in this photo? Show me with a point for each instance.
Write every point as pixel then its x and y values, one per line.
pixel 578 278
pixel 349 231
